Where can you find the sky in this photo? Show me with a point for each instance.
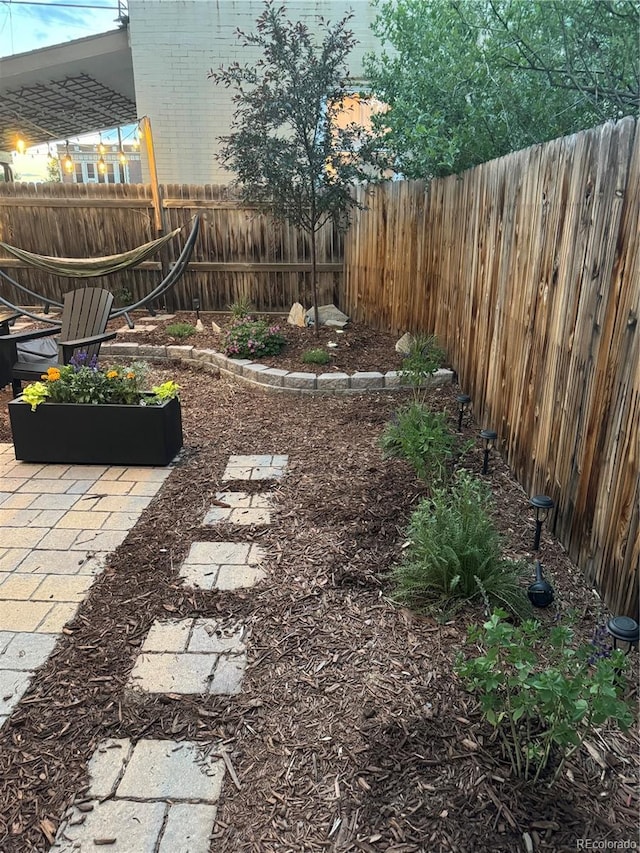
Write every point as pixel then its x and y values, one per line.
pixel 29 26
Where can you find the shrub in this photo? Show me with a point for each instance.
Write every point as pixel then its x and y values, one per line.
pixel 425 356
pixel 180 330
pixel 241 308
pixel 542 696
pixel 454 554
pixel 316 356
pixel 248 338
pixel 422 437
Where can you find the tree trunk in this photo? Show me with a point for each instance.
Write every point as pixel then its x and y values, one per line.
pixel 314 283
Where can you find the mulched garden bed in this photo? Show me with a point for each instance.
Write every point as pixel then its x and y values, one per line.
pixel 358 347
pixel 351 732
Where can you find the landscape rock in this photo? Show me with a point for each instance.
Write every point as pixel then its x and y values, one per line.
pixel 215 328
pixel 296 315
pixel 328 315
pixel 199 326
pixel 403 346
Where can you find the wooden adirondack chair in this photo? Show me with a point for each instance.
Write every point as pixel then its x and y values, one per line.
pixel 25 356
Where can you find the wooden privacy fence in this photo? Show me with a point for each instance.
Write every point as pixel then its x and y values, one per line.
pixel 527 269
pixel 240 252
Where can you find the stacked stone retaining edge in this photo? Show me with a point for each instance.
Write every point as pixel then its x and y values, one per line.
pixel 272 378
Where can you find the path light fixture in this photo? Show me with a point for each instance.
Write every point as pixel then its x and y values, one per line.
pixel 195 304
pixel 540 592
pixel 625 631
pixel 489 437
pixel 543 506
pixel 463 401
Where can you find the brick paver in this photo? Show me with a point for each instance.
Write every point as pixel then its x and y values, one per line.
pixel 54 540
pixel 255 467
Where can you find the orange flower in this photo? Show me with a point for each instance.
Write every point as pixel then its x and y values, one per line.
pixel 52 374
pixel 112 374
pixel 131 376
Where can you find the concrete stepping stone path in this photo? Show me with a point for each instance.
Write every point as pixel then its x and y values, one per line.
pixel 255 467
pixel 158 796
pixel 191 656
pixel 222 565
pixel 242 509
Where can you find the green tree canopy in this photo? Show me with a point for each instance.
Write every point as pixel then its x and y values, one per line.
pixel 290 154
pixel 470 80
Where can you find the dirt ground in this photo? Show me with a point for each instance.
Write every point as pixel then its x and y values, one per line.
pixel 351 732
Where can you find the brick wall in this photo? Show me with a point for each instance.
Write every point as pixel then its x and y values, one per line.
pixel 174 43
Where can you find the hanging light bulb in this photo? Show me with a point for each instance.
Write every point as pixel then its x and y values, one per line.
pixel 102 166
pixel 122 157
pixel 67 161
pixel 21 145
pixel 101 148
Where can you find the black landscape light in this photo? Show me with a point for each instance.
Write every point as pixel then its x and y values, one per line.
pixel 625 631
pixel 489 437
pixel 543 506
pixel 540 592
pixel 195 304
pixel 463 401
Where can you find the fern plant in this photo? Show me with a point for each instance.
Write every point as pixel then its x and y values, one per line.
pixel 455 554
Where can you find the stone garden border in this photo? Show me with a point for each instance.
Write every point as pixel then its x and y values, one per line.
pixel 272 378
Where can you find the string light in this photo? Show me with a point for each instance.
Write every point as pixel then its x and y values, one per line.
pixel 67 160
pixel 101 149
pixel 21 145
pixel 122 157
pixel 102 166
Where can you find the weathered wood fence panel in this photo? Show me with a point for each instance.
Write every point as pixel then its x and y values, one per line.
pixel 240 251
pixel 527 269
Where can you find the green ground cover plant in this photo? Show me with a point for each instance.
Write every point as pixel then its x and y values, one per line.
pixel 180 330
pixel 248 338
pixel 425 356
pixel 423 438
pixel 316 356
pixel 454 554
pixel 543 697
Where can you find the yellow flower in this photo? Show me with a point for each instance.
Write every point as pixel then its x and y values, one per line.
pixel 52 374
pixel 112 374
pixel 131 375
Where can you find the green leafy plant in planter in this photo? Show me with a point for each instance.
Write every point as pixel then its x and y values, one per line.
pixel 422 437
pixel 454 554
pixel 316 356
pixel 83 381
pixel 180 330
pixel 543 697
pixel 249 338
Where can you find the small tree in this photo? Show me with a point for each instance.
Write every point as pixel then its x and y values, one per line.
pixel 290 155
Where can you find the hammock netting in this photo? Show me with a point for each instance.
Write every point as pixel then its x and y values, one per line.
pixel 93 267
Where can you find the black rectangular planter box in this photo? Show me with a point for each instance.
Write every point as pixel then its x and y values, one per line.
pixel 96 434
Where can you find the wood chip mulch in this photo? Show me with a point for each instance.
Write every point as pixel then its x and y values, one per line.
pixel 351 732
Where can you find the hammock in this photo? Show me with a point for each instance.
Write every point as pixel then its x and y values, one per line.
pixel 89 268
pixel 175 273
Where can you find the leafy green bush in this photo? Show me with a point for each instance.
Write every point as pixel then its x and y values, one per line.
pixel 241 308
pixel 455 553
pixel 180 330
pixel 248 338
pixel 421 437
pixel 542 696
pixel 316 356
pixel 425 356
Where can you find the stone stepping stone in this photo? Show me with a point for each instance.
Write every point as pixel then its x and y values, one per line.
pixel 255 467
pixel 191 656
pixel 136 330
pixel 159 796
pixel 243 509
pixel 223 565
